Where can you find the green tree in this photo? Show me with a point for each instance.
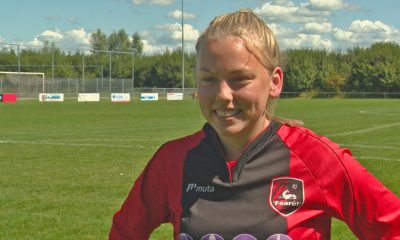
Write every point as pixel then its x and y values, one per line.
pixel 119 41
pixel 98 40
pixel 137 44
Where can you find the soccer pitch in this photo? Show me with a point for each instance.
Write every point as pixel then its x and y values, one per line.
pixel 65 168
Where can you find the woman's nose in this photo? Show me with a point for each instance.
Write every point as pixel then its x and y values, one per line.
pixel 224 91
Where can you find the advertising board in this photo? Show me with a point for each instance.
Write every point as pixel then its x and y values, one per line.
pixel 120 97
pixel 8 97
pixel 51 97
pixel 174 96
pixel 149 96
pixel 88 97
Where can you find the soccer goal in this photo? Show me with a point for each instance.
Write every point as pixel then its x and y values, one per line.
pixel 15 81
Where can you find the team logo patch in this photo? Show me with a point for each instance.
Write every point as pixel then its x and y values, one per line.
pixel 286 195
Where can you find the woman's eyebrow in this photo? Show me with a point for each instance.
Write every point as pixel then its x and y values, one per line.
pixel 208 71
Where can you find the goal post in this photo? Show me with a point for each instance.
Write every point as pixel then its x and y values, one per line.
pixel 27 73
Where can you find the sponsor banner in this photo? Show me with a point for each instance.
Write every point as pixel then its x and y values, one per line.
pixel 9 97
pixel 174 96
pixel 120 97
pixel 88 97
pixel 149 96
pixel 51 97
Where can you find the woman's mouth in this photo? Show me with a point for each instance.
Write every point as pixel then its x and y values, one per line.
pixel 227 113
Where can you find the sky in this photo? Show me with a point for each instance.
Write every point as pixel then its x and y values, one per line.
pixel 321 24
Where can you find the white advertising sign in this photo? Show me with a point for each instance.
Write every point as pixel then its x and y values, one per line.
pixel 51 97
pixel 88 97
pixel 149 96
pixel 174 96
pixel 120 97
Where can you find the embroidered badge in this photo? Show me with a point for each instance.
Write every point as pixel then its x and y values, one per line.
pixel 286 195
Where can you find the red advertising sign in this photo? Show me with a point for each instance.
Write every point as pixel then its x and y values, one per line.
pixel 9 97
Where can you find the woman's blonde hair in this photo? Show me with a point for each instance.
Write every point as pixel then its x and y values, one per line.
pixel 257 38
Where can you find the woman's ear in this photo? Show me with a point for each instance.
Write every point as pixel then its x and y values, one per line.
pixel 276 82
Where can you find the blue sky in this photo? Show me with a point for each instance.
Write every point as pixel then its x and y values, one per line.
pixel 329 24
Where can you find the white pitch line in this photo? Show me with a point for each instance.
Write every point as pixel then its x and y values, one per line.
pixel 378 158
pixel 369 146
pixel 117 140
pixel 370 129
pixel 72 144
pixel 370 112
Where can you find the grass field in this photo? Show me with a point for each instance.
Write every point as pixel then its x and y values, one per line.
pixel 65 168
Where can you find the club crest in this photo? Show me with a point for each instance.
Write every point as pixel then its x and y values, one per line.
pixel 286 195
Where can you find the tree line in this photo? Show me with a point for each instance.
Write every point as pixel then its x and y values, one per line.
pixel 370 69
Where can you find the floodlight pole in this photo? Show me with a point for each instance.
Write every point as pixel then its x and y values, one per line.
pixel 133 73
pixel 19 72
pixel 83 70
pixel 110 70
pixel 183 57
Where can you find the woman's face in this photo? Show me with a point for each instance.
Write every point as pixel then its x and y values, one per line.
pixel 234 87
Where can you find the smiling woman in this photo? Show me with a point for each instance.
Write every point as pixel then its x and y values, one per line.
pixel 245 174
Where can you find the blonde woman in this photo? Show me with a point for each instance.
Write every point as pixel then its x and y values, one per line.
pixel 247 174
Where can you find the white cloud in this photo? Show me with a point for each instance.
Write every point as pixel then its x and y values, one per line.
pixel 190 34
pixel 343 35
pixel 291 13
pixel 366 32
pixel 366 26
pixel 281 31
pixel 329 5
pixel 164 36
pixel 74 39
pixel 177 14
pixel 317 27
pixel 148 48
pixel 51 36
pixel 153 2
pixel 168 27
pixel 306 41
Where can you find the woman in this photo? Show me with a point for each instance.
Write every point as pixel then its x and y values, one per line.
pixel 246 174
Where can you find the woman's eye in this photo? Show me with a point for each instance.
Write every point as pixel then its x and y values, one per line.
pixel 241 79
pixel 209 79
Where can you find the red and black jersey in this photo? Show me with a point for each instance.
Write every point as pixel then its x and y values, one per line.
pixel 287 184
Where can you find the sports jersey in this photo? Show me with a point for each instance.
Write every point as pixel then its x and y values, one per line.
pixel 287 184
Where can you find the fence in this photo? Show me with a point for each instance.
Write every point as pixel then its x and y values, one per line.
pixel 30 70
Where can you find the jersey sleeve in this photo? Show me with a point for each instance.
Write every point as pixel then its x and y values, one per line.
pixel 349 192
pixel 146 206
pixel 374 211
pixel 370 209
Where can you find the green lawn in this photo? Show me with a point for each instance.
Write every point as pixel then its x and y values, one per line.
pixel 65 168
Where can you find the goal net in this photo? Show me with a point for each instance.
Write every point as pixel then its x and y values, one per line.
pixel 22 82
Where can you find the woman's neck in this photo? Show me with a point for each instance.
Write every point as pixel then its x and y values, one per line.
pixel 233 146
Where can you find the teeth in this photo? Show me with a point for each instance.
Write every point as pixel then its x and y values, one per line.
pixel 222 113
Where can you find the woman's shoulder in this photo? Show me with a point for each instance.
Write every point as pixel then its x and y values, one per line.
pixel 303 140
pixel 181 146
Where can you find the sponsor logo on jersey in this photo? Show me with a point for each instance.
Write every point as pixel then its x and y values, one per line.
pixel 244 237
pixel 212 236
pixel 194 187
pixel 286 195
pixel 279 237
pixel 184 236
